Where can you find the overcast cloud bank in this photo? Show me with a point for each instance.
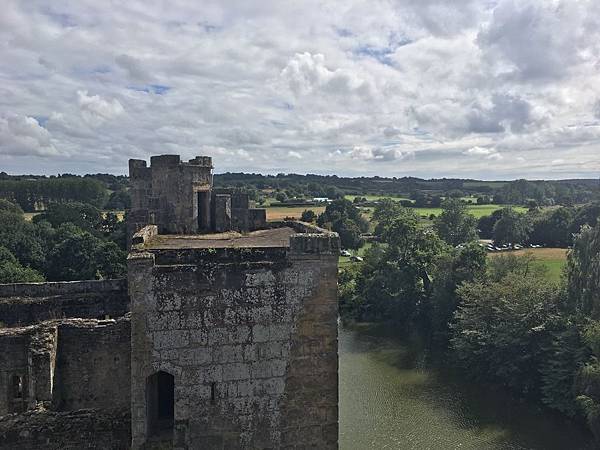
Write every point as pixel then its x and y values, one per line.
pixel 428 88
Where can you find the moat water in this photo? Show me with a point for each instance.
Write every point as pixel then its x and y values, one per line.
pixel 391 399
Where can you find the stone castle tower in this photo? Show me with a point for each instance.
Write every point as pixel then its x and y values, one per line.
pixel 233 335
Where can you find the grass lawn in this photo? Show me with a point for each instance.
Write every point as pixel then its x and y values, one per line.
pixel 345 260
pixel 281 212
pixel 553 259
pixel 477 211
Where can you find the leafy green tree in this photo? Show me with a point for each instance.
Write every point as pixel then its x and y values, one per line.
pixel 79 255
pixel 344 218
pixel 10 207
pixel 86 217
pixel 349 233
pixel 451 270
pixel 11 271
pixel 553 228
pixel 20 238
pixel 455 225
pixel 501 329
pixel 587 383
pixel 583 272
pixel 486 224
pixel 384 213
pixel 395 278
pixel 308 215
pixel 511 228
pixel 118 200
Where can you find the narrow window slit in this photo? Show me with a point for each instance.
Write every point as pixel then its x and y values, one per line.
pixel 213 393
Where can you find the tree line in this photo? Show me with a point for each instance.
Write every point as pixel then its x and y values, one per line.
pixel 36 193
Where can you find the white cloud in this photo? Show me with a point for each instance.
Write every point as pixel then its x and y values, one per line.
pixel 307 73
pixel 23 136
pixel 487 153
pixel 96 110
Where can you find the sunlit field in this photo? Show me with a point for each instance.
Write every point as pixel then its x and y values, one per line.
pixel 553 259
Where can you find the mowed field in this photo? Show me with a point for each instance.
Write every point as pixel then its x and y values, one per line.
pixel 281 212
pixel 553 259
pixel 477 211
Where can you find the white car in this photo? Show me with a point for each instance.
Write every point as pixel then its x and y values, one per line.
pixel 345 253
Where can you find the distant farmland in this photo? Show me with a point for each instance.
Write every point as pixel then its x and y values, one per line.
pixel 553 259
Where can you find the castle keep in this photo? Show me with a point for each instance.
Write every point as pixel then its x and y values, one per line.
pixel 179 198
pixel 223 336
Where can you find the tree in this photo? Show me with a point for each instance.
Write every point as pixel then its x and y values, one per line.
pixel 485 225
pixel 308 215
pixel 11 271
pixel 79 255
pixel 395 278
pixel 344 218
pixel 86 217
pixel 552 228
pixel 349 234
pixel 501 330
pixel 7 206
pixel 451 270
pixel 118 200
pixel 384 213
pixel 583 272
pixel 455 225
pixel 511 228
pixel 20 238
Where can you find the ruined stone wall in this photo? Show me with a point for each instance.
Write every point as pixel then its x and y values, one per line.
pixel 30 303
pixel 92 365
pixel 65 364
pixel 13 363
pixel 75 430
pixel 250 336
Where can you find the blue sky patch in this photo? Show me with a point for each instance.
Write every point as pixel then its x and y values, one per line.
pixel 158 89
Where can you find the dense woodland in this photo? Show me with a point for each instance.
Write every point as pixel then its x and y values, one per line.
pixel 499 318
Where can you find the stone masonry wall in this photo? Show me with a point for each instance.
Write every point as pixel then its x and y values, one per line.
pixel 250 336
pixel 30 303
pixel 93 365
pixel 65 364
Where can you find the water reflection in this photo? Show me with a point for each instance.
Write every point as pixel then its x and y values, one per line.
pixel 391 399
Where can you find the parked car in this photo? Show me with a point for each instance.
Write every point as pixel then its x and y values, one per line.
pixel 356 259
pixel 345 253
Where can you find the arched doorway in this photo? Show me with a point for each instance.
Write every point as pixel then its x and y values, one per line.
pixel 160 404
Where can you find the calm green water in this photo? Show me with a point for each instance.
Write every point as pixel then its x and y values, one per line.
pixel 389 399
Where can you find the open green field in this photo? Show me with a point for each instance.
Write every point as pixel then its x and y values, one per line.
pixel 477 211
pixel 345 260
pixel 553 259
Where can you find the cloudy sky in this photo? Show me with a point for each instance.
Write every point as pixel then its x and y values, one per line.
pixel 431 88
